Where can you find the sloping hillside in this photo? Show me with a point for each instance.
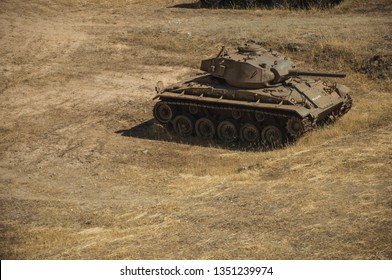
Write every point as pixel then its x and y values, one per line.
pixel 86 174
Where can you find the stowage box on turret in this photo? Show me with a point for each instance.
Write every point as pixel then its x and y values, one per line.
pixel 253 94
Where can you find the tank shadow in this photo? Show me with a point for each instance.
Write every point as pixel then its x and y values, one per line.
pixel 153 131
pixel 147 130
pixel 269 4
pixel 223 5
pixel 195 5
pixel 228 5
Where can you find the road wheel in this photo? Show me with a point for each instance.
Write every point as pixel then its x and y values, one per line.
pixel 163 112
pixel 227 131
pixel 183 125
pixel 249 133
pixel 294 127
pixel 205 128
pixel 272 136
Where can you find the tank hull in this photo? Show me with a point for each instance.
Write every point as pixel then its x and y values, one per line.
pixel 208 107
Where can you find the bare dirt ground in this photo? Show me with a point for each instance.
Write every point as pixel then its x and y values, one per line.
pixel 85 173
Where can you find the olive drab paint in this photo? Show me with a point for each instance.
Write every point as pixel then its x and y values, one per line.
pixel 252 94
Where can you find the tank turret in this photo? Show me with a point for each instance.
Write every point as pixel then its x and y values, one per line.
pixel 253 66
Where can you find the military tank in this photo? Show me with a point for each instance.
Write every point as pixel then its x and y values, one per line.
pixel 252 94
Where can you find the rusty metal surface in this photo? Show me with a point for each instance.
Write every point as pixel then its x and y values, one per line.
pixel 301 111
pixel 253 66
pixel 247 91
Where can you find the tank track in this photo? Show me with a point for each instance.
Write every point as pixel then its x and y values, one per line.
pixel 335 115
pixel 346 106
pixel 270 118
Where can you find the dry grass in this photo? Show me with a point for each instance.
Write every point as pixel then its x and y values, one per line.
pixel 72 188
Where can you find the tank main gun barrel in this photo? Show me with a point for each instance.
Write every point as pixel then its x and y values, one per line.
pixel 294 73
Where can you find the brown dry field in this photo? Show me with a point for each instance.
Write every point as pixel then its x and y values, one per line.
pixel 86 174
